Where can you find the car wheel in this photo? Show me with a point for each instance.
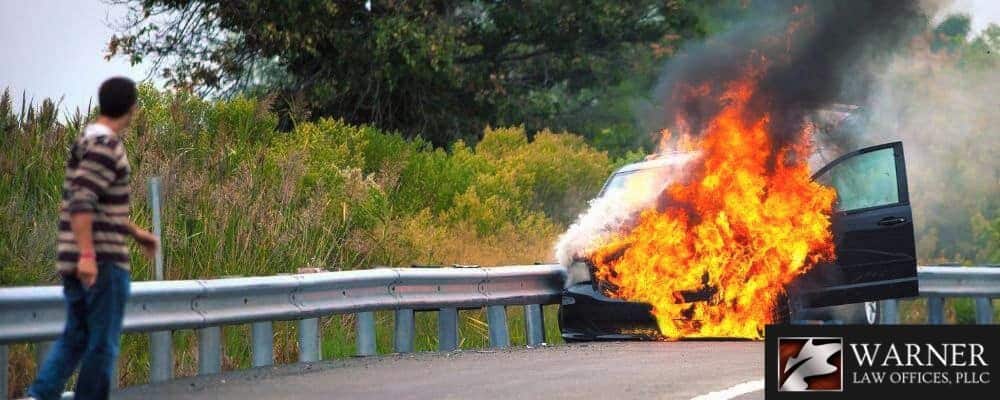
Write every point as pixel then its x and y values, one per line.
pixel 872 312
pixel 867 313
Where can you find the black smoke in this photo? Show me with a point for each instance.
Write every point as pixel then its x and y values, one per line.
pixel 813 54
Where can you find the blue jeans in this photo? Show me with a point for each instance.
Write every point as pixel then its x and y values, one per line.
pixel 91 337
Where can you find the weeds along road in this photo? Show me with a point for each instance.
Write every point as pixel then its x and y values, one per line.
pixel 629 370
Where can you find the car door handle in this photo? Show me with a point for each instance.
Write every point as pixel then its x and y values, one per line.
pixel 889 221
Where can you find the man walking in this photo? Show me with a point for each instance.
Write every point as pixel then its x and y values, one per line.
pixel 93 257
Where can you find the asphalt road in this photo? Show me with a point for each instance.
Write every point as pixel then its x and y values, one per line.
pixel 618 371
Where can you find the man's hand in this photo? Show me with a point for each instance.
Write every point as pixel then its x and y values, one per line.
pixel 148 241
pixel 86 271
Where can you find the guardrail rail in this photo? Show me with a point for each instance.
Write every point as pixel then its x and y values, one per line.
pixel 981 283
pixel 36 314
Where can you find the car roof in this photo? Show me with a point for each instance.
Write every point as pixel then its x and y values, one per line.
pixel 660 160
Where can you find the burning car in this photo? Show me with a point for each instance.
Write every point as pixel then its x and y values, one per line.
pixel 873 243
pixel 729 230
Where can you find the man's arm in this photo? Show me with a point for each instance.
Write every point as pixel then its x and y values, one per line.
pixel 89 180
pixel 147 240
pixel 82 225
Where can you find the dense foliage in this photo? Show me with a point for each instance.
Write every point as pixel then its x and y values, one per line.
pixel 438 69
pixel 242 198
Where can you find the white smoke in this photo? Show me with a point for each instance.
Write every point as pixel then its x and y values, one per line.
pixel 616 209
pixel 946 116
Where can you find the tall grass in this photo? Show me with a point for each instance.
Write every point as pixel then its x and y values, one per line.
pixel 242 199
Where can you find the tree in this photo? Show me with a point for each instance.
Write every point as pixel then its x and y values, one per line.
pixel 983 52
pixel 438 69
pixel 952 32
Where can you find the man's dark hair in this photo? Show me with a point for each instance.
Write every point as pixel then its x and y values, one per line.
pixel 116 96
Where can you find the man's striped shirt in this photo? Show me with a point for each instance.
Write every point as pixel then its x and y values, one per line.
pixel 97 181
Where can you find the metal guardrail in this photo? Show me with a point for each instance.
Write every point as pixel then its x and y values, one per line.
pixel 36 314
pixel 982 283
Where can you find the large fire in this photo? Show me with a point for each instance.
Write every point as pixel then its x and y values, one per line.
pixel 746 221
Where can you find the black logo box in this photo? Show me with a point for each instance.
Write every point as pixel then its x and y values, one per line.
pixel 922 335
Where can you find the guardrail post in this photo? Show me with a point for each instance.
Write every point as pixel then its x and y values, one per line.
pixel 262 336
pixel 404 331
pixel 161 363
pixel 890 312
pixel 3 372
pixel 309 340
pixel 496 318
pixel 984 310
pixel 447 329
pixel 154 206
pixel 935 310
pixel 534 324
pixel 115 374
pixel 209 350
pixel 365 340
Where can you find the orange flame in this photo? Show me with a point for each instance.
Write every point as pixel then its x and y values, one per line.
pixel 747 222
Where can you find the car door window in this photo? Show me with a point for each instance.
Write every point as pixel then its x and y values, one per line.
pixel 864 181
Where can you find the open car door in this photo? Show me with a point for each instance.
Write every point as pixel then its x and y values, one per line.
pixel 873 231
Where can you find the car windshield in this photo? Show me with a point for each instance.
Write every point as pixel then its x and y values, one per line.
pixel 635 178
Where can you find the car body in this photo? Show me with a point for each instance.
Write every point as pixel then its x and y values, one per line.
pixel 874 243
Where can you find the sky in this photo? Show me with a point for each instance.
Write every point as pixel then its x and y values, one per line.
pixel 55 48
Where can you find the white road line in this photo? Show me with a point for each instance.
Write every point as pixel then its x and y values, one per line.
pixel 731 392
